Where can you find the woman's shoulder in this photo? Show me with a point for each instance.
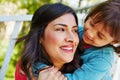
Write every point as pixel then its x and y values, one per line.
pixel 19 74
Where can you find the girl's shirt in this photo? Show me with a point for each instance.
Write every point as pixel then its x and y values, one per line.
pixel 97 63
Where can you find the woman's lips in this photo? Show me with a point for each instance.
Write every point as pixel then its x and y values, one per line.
pixel 67 49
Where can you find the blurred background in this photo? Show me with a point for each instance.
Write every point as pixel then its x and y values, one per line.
pixel 27 7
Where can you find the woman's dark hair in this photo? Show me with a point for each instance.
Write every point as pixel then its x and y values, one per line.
pixel 33 51
pixel 108 13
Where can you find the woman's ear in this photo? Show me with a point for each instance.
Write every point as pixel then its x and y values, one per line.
pixel 40 41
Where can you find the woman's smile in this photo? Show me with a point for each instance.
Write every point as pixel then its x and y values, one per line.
pixel 67 49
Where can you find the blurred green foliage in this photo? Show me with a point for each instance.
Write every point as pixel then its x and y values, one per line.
pixel 31 6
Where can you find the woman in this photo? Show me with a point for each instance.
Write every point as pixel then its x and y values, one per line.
pixel 52 40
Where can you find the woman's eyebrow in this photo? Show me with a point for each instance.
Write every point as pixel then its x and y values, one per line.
pixel 61 24
pixel 65 25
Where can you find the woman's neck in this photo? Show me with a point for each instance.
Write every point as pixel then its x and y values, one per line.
pixel 58 65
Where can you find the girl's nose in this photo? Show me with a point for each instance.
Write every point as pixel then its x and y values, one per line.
pixel 90 34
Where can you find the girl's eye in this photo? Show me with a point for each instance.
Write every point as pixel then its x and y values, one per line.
pixel 100 36
pixel 91 24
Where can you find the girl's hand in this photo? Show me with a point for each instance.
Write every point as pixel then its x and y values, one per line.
pixel 51 73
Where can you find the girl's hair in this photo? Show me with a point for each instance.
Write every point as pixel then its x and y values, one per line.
pixel 108 13
pixel 33 51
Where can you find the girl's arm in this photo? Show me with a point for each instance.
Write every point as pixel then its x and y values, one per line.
pixel 96 66
pixel 51 73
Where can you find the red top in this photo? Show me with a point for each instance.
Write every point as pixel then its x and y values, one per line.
pixel 86 46
pixel 19 74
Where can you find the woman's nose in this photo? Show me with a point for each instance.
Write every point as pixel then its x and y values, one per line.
pixel 70 37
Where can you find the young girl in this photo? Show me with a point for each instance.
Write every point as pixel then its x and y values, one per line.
pixel 98 36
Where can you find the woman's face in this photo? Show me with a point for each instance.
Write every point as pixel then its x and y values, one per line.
pixel 61 39
pixel 95 34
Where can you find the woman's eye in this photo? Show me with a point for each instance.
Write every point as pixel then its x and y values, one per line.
pixel 60 29
pixel 75 30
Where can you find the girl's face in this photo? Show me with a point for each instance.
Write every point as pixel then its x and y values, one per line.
pixel 96 35
pixel 61 39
